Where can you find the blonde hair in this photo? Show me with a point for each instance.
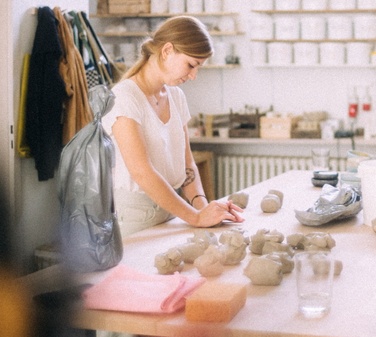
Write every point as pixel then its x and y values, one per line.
pixel 187 34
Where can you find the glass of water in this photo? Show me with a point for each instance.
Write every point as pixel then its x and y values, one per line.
pixel 314 279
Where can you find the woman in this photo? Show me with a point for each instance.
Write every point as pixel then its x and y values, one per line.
pixel 148 124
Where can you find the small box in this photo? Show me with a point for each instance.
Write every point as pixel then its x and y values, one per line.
pixel 277 127
pixel 245 125
pixel 128 6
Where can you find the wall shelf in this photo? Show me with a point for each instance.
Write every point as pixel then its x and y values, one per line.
pixel 143 34
pixel 326 11
pixel 158 15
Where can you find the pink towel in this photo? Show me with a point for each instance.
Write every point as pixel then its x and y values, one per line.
pixel 126 289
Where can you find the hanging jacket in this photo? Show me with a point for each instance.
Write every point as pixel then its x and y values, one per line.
pixel 45 95
pixel 77 111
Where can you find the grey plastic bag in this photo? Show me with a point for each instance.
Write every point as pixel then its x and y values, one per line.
pixel 89 231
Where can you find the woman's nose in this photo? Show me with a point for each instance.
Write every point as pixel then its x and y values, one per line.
pixel 193 74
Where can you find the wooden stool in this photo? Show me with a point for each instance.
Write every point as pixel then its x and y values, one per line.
pixel 204 162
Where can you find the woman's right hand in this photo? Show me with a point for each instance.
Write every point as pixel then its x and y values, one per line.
pixel 216 212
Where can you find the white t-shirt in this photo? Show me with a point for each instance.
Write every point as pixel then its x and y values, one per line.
pixel 165 142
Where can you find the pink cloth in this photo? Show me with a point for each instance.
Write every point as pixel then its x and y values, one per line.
pixel 126 289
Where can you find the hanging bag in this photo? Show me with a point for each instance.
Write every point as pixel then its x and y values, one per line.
pixel 89 230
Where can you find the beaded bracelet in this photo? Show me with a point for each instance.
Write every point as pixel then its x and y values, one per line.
pixel 196 196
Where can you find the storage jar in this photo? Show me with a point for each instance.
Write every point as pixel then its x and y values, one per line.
pixel 367 4
pixel 280 53
pixel 258 53
pixel 313 28
pixel 261 27
pixel 159 6
pixel 358 53
pixel 262 5
pixel 176 6
pixel 194 6
pixel 365 27
pixel 342 4
pixel 332 53
pixel 286 28
pixel 306 53
pixel 314 4
pixel 287 5
pixel 213 6
pixel 339 27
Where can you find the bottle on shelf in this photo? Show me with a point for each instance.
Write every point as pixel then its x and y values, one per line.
pixel 353 107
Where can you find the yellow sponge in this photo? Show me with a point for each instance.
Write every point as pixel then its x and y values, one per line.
pixel 215 302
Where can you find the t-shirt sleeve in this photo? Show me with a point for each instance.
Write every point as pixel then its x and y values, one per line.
pixel 125 106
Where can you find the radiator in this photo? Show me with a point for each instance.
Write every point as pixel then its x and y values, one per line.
pixel 234 173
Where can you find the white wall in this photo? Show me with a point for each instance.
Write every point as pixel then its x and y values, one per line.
pixel 289 89
pixel 37 207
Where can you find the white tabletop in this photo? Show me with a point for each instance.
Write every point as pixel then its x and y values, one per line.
pixel 269 310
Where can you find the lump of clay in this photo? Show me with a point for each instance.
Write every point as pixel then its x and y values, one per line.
pixel 285 259
pixel 169 262
pixel 318 241
pixel 278 193
pixel 311 241
pixel 191 250
pixel 208 238
pixel 322 267
pixel 264 271
pixel 263 235
pixel 196 246
pixel 270 203
pixel 296 240
pixel 233 249
pixel 240 199
pixel 272 247
pixel 210 263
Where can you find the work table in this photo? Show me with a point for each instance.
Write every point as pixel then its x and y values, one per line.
pixel 270 310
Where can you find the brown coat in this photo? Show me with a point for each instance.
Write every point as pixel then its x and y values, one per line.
pixel 77 111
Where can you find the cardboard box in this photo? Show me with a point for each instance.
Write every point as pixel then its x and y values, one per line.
pixel 128 6
pixel 245 125
pixel 277 127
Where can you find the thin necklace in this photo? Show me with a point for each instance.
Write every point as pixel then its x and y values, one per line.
pixel 153 96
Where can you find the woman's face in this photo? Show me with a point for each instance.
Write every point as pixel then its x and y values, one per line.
pixel 179 67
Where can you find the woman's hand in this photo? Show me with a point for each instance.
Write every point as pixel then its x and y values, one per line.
pixel 216 212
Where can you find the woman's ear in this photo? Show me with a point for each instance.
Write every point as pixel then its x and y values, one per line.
pixel 167 49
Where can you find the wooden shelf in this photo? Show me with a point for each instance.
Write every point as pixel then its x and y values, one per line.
pixel 326 11
pixel 292 65
pixel 315 41
pixel 221 66
pixel 143 34
pixel 157 15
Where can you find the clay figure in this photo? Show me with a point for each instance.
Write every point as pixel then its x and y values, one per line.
pixel 271 247
pixel 295 240
pixel 278 193
pixel 196 245
pixel 210 263
pixel 169 262
pixel 191 250
pixel 239 199
pixel 284 258
pixel 263 235
pixel 318 241
pixel 264 271
pixel 270 203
